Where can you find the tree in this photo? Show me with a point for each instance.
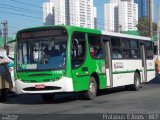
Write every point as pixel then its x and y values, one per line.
pixel 143 27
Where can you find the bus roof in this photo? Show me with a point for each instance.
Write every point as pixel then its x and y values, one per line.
pixel 88 30
pixel 69 28
pixel 125 35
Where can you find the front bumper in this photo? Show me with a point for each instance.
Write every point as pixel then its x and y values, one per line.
pixel 63 85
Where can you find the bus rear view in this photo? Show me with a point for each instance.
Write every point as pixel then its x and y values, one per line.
pixel 41 62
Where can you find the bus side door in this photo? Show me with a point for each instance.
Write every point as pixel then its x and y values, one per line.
pixel 78 61
pixel 108 61
pixel 144 64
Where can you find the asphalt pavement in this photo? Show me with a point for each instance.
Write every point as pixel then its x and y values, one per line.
pixel 111 101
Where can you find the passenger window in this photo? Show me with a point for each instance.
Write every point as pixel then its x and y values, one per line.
pixel 95 47
pixel 125 43
pixel 126 52
pixel 135 51
pixel 116 48
pixel 78 52
pixel 115 42
pixel 116 54
pixel 2 69
pixel 149 50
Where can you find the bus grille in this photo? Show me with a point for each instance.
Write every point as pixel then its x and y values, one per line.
pixel 42 89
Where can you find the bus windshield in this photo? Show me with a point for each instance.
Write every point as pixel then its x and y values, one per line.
pixel 42 53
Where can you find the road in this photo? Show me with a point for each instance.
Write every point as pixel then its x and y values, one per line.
pixel 119 100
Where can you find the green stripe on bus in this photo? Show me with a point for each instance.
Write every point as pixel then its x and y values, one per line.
pixel 129 71
pixel 151 70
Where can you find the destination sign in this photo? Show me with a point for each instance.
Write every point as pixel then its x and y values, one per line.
pixel 42 33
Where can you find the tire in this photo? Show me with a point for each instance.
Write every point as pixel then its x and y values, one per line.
pixel 3 95
pixel 91 93
pixel 137 82
pixel 47 97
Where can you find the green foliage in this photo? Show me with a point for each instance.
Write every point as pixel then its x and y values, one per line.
pixel 143 27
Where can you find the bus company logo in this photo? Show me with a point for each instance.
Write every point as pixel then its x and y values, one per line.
pixel 118 65
pixel 150 64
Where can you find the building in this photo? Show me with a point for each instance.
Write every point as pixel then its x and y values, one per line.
pixel 70 12
pixel 121 15
pixel 143 8
pixel 95 17
pixel 110 17
pixel 48 13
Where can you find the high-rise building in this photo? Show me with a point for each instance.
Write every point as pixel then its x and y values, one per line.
pixel 73 12
pixel 143 8
pixel 110 17
pixel 121 15
pixel 59 12
pixel 48 13
pixel 95 17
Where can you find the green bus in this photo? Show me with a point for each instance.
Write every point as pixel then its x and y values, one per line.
pixel 63 59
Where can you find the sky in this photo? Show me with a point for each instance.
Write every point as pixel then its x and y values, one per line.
pixel 18 16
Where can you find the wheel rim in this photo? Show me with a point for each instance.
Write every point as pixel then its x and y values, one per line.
pixel 92 88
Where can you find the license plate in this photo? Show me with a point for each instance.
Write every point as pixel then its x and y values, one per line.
pixel 39 86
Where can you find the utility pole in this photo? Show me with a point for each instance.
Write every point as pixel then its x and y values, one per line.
pixel 5 33
pixel 151 17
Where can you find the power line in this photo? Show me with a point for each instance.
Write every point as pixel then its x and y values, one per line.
pixel 20 8
pixel 21 15
pixel 29 4
pixel 26 3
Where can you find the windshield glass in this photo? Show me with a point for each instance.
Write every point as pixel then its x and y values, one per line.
pixel 43 53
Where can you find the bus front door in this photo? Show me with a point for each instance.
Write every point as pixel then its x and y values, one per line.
pixel 108 62
pixel 144 64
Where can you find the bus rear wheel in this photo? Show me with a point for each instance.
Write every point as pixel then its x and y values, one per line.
pixel 137 82
pixel 48 97
pixel 91 93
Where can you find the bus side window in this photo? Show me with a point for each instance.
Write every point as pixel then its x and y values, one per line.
pixel 149 50
pixel 135 51
pixel 126 51
pixel 95 47
pixel 78 52
pixel 116 48
pixel 116 54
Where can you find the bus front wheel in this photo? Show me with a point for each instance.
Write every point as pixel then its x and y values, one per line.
pixel 91 93
pixel 47 97
pixel 137 82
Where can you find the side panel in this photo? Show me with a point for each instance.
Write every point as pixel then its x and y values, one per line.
pixel 82 74
pixel 150 70
pixel 124 70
